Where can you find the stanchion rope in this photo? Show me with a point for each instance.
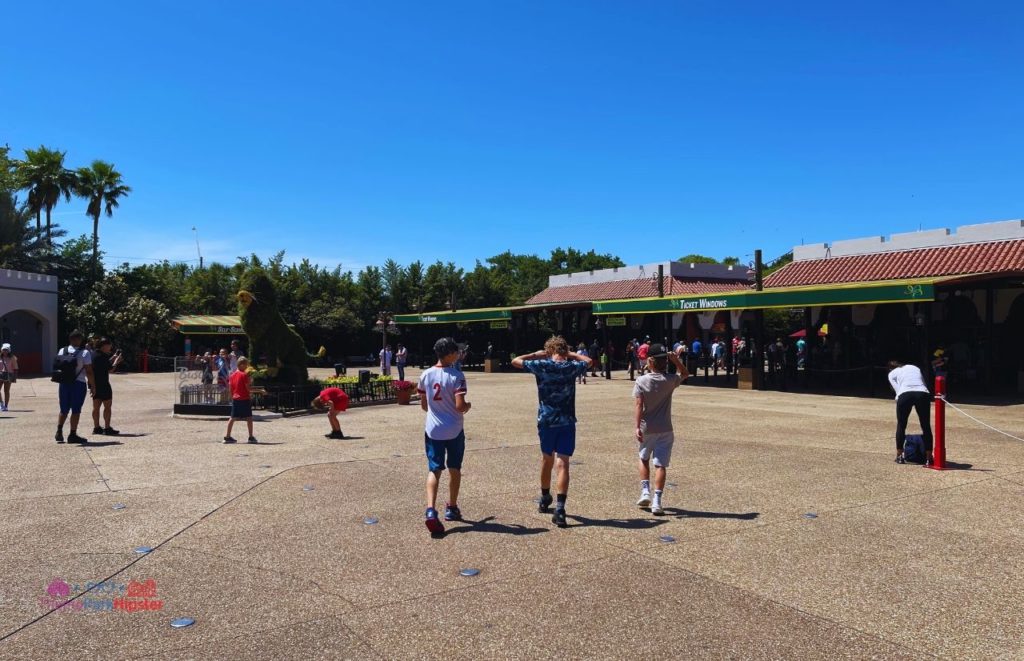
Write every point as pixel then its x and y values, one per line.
pixel 957 408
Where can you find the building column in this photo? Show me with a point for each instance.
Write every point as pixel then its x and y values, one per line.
pixel 990 339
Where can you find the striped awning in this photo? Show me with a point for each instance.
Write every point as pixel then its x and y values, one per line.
pixel 208 324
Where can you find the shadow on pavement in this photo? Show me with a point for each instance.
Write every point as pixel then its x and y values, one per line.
pixel 124 435
pixel 100 444
pixel 628 524
pixel 955 466
pixel 486 525
pixel 695 514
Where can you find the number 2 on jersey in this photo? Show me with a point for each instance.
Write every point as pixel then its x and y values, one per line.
pixel 437 392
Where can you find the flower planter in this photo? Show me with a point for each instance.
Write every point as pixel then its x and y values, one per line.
pixel 403 396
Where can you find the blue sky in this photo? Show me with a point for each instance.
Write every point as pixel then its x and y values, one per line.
pixel 353 132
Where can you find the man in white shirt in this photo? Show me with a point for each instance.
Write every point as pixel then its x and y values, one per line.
pixel 911 393
pixel 236 353
pixel 72 389
pixel 385 360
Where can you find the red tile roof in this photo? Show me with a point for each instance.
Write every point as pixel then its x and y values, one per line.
pixel 638 288
pixel 975 258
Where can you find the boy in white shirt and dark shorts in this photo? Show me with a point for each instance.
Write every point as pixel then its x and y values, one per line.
pixel 653 394
pixel 442 390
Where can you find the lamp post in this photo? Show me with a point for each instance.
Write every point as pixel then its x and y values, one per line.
pixel 198 252
pixel 385 324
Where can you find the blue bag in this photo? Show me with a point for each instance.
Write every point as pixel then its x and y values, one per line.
pixel 913 449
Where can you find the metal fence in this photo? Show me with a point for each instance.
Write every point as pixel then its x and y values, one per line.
pixel 288 399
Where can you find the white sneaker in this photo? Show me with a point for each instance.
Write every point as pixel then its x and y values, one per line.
pixel 645 499
pixel 656 507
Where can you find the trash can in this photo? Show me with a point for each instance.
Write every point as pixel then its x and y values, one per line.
pixel 364 377
pixel 339 369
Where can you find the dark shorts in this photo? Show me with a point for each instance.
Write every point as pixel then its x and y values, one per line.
pixel 437 451
pixel 72 396
pixel 561 440
pixel 241 408
pixel 103 392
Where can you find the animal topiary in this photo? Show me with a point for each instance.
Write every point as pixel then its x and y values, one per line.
pixel 267 331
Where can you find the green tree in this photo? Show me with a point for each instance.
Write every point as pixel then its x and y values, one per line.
pixel 103 187
pixel 570 260
pixel 731 261
pixel 134 322
pixel 697 259
pixel 43 174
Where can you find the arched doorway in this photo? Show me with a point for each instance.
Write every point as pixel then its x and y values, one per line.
pixel 27 334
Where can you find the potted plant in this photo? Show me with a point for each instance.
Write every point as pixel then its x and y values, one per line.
pixel 403 390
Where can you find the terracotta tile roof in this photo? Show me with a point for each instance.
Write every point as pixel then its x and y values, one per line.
pixel 638 288
pixel 990 257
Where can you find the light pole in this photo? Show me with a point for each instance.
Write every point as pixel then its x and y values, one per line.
pixel 198 252
pixel 385 324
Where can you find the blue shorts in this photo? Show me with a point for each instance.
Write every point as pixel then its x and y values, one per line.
pixel 436 451
pixel 72 396
pixel 561 440
pixel 241 409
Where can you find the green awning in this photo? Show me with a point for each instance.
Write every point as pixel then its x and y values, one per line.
pixel 215 324
pixel 457 317
pixel 790 297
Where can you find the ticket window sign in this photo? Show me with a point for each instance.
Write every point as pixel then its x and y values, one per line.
pixel 615 321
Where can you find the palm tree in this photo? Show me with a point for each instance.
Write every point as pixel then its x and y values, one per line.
pixel 47 180
pixel 103 187
pixel 23 247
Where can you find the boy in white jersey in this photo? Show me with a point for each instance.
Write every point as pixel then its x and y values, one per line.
pixel 442 390
pixel 653 394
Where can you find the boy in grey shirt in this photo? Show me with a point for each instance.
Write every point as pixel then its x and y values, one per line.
pixel 653 393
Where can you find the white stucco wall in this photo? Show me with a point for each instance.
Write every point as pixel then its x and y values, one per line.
pixel 36 294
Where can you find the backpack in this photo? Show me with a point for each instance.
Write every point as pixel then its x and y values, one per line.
pixel 913 449
pixel 65 367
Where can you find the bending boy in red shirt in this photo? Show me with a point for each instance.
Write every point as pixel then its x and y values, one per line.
pixel 335 401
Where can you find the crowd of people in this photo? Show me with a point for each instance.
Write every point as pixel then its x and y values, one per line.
pixel 83 367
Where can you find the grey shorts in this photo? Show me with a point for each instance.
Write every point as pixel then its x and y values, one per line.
pixel 658 446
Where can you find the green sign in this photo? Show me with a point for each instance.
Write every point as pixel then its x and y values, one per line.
pixel 458 317
pixel 498 325
pixel 616 321
pixel 780 298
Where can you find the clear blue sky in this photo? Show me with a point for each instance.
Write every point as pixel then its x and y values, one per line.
pixel 352 132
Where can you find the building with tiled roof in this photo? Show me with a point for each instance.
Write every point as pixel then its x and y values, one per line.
pixel 677 279
pixel 971 307
pixel 974 250
pixel 857 303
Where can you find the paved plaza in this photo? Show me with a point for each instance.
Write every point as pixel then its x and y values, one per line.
pixel 791 534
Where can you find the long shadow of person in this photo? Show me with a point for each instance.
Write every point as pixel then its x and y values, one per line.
pixel 487 524
pixel 100 444
pixel 626 524
pixel 696 514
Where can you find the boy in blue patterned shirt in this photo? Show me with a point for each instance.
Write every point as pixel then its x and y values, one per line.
pixel 556 370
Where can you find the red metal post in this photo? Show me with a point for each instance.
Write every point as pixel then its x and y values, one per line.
pixel 939 452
